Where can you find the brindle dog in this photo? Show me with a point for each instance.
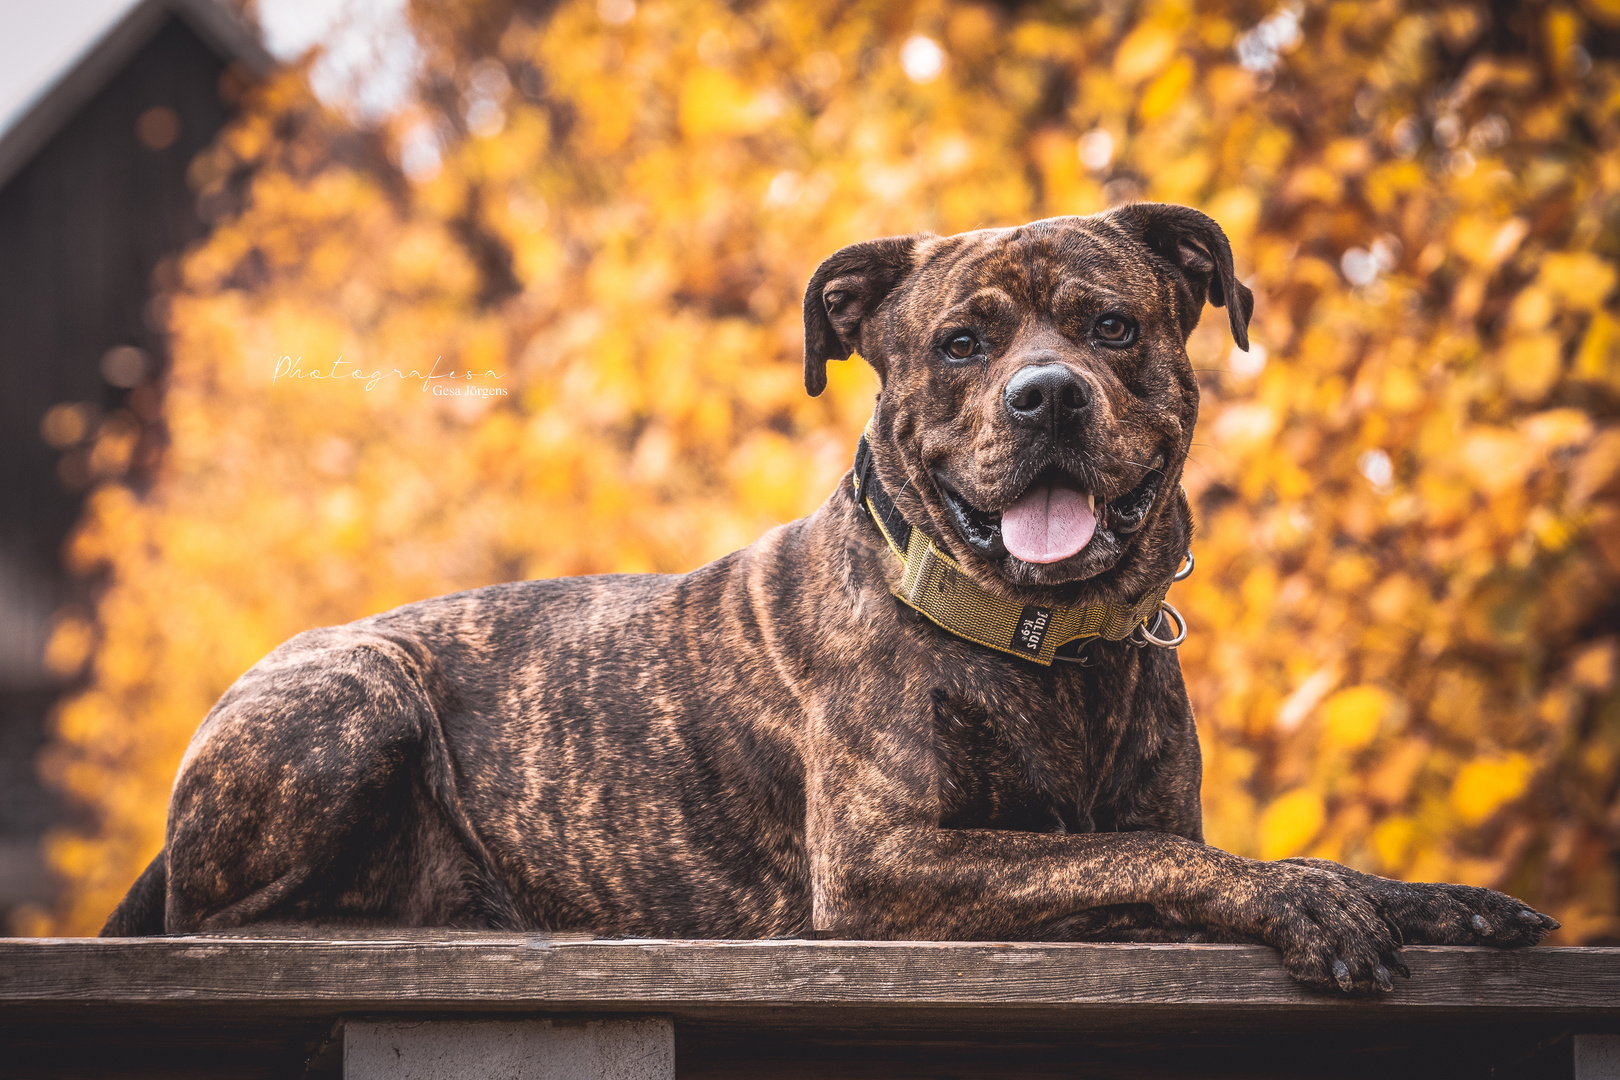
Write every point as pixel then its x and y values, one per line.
pixel 773 744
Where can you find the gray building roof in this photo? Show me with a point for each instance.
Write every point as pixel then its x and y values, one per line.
pixel 48 107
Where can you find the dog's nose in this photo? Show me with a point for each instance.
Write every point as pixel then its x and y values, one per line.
pixel 1046 396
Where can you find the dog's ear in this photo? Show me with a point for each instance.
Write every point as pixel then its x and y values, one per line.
pixel 846 288
pixel 1198 248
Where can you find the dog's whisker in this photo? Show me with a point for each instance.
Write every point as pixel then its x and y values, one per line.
pixel 1205 469
pixel 1139 464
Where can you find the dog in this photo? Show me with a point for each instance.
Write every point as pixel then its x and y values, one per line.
pixel 943 706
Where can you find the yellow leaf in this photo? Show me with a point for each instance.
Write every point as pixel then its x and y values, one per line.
pixel 1563 29
pixel 1530 365
pixel 1486 784
pixel 1558 429
pixel 1237 209
pixel 1580 279
pixel 69 646
pixel 1606 12
pixel 1597 468
pixel 969 28
pixel 1348 156
pixel 1485 242
pixel 1314 182
pixel 1598 358
pixel 1351 717
pixel 1289 823
pixel 715 103
pixel 1401 390
pixel 1496 459
pixel 1145 51
pixel 1593 667
pixel 1531 310
pixel 1392 840
pixel 1167 90
pixel 1182 180
pixel 1386 183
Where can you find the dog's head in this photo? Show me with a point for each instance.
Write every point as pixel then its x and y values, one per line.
pixel 1037 402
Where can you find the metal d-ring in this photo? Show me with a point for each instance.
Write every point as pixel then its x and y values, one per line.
pixel 1175 616
pixel 1079 656
pixel 1186 571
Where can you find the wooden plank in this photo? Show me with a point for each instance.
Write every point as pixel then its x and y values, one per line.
pixel 462 971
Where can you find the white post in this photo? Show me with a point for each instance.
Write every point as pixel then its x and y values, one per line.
pixel 642 1048
pixel 1597 1057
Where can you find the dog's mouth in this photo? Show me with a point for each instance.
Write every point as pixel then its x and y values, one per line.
pixel 1053 519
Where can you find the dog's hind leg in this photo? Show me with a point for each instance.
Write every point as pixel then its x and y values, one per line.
pixel 140 912
pixel 320 789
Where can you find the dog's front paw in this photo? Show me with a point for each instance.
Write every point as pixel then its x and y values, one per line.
pixel 1439 914
pixel 1331 934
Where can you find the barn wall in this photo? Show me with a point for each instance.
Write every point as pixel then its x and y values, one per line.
pixel 83 228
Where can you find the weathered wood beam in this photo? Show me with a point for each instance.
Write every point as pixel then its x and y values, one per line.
pixel 450 970
pixel 282 1004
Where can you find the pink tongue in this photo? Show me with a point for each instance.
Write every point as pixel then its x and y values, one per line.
pixel 1048 524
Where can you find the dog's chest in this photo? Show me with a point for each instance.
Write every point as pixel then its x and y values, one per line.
pixel 1003 772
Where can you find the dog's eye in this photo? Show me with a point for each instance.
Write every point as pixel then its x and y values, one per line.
pixel 961 346
pixel 1115 329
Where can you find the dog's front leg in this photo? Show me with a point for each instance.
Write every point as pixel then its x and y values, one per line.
pixel 882 868
pixel 899 881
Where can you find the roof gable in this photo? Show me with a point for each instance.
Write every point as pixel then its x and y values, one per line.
pixel 35 122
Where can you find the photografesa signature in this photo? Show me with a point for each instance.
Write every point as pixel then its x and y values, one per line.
pixel 288 367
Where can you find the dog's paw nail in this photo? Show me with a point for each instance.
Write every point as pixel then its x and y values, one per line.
pixel 1537 920
pixel 1381 976
pixel 1481 927
pixel 1402 970
pixel 1341 974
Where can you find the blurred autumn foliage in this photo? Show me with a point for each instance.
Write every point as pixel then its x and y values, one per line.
pixel 1404 618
